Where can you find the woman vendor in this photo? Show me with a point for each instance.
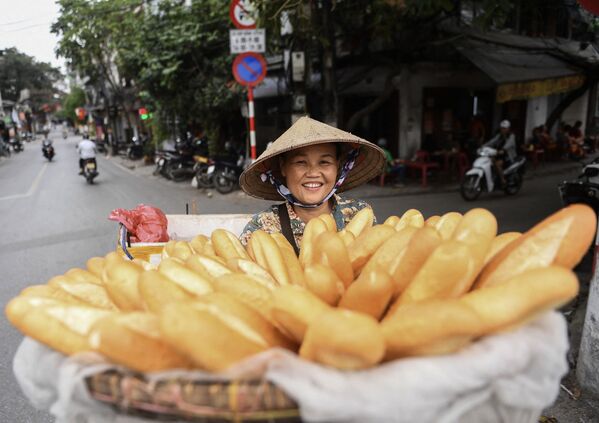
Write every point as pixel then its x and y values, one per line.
pixel 307 166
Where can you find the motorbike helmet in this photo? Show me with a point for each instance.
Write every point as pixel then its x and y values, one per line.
pixel 505 124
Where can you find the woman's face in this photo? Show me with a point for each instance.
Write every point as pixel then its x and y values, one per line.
pixel 310 172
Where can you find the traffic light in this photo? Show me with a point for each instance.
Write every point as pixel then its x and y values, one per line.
pixel 143 113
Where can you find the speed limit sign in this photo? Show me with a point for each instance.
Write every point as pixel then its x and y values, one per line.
pixel 241 13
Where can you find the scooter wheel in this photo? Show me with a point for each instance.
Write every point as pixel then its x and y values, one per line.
pixel 470 188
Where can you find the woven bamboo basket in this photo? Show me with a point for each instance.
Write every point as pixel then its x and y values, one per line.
pixel 193 401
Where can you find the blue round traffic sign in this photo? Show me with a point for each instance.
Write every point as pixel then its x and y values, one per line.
pixel 249 69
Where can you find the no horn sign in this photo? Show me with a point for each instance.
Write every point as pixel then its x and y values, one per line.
pixel 249 69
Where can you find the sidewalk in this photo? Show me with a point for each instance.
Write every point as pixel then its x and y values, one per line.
pixel 412 187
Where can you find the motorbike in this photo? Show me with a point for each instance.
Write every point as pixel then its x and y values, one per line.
pixel 16 144
pixel 204 172
pixel 179 164
pixel 584 189
pixel 48 149
pixel 228 169
pixel 65 133
pixel 483 177
pixel 90 170
pixel 135 150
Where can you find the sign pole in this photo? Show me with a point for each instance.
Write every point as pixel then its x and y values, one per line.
pixel 252 125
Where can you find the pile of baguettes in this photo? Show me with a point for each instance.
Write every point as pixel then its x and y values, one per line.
pixel 354 298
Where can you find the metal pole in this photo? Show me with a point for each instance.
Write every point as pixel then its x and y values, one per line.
pixel 252 125
pixel 587 367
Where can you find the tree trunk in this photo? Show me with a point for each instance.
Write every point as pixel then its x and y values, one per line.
pixel 572 96
pixel 329 100
pixel 374 105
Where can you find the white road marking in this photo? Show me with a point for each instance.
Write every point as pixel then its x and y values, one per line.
pixel 31 189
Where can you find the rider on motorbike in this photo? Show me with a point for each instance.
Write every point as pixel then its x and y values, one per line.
pixel 505 144
pixel 87 150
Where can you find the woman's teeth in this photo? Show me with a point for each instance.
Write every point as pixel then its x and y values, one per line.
pixel 312 185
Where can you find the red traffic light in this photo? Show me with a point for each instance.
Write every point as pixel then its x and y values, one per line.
pixel 143 111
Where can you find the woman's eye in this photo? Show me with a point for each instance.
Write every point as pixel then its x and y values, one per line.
pixel 325 163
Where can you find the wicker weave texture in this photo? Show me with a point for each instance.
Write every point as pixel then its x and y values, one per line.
pixel 193 401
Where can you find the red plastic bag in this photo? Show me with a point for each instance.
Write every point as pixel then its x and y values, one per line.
pixel 144 223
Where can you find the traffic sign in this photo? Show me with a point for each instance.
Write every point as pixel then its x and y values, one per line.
pixel 241 13
pixel 249 69
pixel 244 40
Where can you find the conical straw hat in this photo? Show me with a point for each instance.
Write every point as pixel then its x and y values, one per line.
pixel 304 132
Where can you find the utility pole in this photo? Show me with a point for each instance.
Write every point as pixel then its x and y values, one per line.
pixel 328 67
pixel 587 368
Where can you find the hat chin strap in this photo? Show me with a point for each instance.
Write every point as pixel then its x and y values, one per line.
pixel 287 195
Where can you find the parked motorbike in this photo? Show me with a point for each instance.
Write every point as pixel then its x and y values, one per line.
pixel 135 151
pixel 204 172
pixel 584 189
pixel 48 149
pixel 179 164
pixel 101 146
pixel 228 168
pixel 90 170
pixel 16 145
pixel 483 177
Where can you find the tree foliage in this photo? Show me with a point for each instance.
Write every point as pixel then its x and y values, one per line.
pixel 175 58
pixel 19 71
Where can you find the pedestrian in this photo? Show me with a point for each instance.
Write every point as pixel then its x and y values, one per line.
pixel 307 167
pixel 396 168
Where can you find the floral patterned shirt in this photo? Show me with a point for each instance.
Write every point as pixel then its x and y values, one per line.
pixel 343 211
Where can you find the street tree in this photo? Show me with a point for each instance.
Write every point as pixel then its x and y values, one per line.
pixel 89 35
pixel 18 72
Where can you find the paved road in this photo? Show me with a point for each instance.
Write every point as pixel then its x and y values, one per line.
pixel 52 220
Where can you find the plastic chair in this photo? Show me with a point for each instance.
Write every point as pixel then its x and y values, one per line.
pixel 422 162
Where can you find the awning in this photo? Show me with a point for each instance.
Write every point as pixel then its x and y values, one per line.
pixel 520 73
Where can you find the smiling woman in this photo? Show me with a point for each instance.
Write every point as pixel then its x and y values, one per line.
pixel 307 166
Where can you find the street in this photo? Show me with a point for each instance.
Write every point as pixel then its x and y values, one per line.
pixel 53 221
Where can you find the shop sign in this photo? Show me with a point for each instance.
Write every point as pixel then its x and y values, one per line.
pixel 541 88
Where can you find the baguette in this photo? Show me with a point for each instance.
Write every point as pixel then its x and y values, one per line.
pixel 365 245
pixel 61 327
pixel 253 270
pixel 121 283
pixel 332 252
pixel 293 308
pixel 514 302
pixel 447 273
pixel 322 281
pixel 344 339
pixel 386 257
pixel 269 256
pixel 369 294
pixel 80 275
pixel 499 243
pixel 361 220
pixel 411 217
pixel 227 245
pixel 134 340
pixel 561 239
pixel 408 261
pixel 216 331
pixel 245 289
pixel 429 328
pixel 95 265
pixel 156 290
pixel 207 267
pixel 307 254
pixel 294 268
pixel 184 277
pixel 447 224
